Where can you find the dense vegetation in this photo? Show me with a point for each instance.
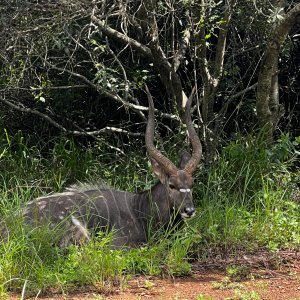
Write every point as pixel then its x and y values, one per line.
pixel 73 109
pixel 246 201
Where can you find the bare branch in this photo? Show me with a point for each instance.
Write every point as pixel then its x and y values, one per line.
pixel 116 35
pixel 81 132
pixel 243 92
pixel 119 130
pixel 112 53
pixel 105 130
pixel 169 77
pixel 182 50
pixel 112 96
pixel 219 60
pixel 202 51
pixel 34 112
pixel 83 78
pixel 62 87
pixel 224 108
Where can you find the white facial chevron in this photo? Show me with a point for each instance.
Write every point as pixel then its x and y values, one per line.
pixel 184 190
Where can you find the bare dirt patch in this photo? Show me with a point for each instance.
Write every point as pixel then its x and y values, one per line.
pixel 246 277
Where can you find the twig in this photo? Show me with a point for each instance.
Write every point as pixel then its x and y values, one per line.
pixel 182 50
pixel 63 87
pixel 116 35
pixel 34 112
pixel 80 132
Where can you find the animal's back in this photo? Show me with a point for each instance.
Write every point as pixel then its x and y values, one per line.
pixel 82 211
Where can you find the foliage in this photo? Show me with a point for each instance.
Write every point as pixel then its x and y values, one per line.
pixel 238 295
pixel 74 77
pixel 203 297
pixel 245 201
pixel 246 198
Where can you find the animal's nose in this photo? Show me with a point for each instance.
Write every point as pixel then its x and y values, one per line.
pixel 189 210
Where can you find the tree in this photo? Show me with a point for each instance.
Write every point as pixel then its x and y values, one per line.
pixel 82 67
pixel 269 110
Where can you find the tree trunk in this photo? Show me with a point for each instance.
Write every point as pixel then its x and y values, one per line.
pixel 211 73
pixel 267 102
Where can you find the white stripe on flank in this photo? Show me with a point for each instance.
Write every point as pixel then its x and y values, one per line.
pixel 82 228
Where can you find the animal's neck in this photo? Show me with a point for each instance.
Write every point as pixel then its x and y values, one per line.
pixel 154 204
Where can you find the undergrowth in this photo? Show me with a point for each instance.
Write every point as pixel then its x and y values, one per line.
pixel 250 198
pixel 247 200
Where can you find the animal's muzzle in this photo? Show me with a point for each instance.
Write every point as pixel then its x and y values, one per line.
pixel 188 212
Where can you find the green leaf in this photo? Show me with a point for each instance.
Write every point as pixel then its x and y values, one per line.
pixel 207 36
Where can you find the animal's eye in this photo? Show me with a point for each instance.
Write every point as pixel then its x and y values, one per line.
pixel 172 186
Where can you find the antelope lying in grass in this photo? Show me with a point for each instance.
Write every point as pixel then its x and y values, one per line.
pixel 84 210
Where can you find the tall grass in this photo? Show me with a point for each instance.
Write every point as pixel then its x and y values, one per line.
pixel 244 201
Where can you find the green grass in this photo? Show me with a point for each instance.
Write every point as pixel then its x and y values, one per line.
pixel 244 201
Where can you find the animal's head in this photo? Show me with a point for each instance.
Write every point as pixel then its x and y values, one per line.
pixel 177 180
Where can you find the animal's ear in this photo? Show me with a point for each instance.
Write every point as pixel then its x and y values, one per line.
pixel 185 156
pixel 159 171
